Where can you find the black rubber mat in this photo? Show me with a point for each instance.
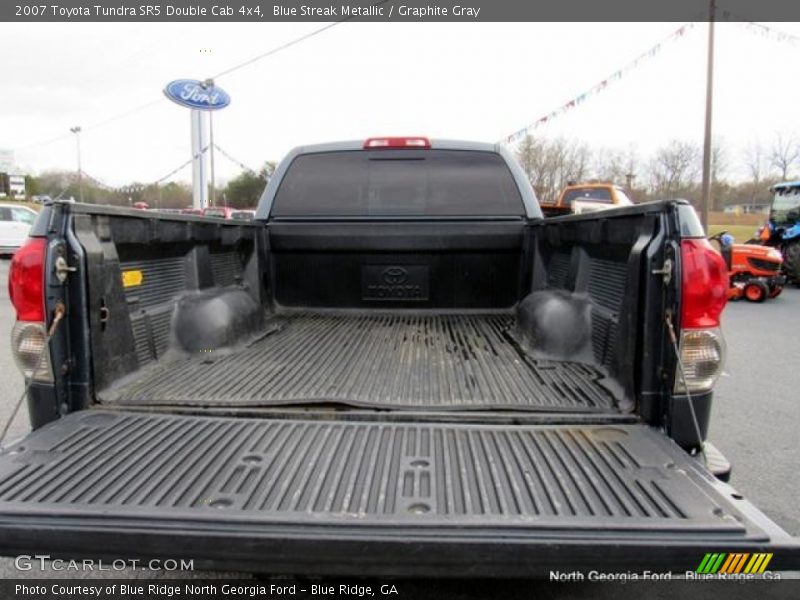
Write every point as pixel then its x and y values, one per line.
pixel 108 464
pixel 377 361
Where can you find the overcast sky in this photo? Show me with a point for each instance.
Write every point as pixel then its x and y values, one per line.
pixel 478 81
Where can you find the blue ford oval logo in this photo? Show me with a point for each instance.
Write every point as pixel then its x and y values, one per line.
pixel 197 94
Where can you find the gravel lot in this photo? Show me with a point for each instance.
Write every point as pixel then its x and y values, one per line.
pixel 755 423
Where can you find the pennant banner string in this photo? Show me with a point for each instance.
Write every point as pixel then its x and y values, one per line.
pixel 599 87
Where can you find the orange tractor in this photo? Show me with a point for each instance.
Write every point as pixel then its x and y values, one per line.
pixel 754 271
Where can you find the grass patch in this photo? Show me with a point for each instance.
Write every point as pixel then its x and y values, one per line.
pixel 723 218
pixel 33 205
pixel 741 233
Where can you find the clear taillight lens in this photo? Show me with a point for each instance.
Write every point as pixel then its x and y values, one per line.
pixel 29 348
pixel 702 358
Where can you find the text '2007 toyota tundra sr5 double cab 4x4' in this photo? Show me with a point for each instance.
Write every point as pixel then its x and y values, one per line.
pixel 397 367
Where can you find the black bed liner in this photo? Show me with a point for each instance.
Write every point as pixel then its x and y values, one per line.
pixel 260 486
pixel 397 361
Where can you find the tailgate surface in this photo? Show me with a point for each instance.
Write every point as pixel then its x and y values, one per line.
pixel 99 465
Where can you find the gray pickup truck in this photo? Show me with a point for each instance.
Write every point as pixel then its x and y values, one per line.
pixel 398 367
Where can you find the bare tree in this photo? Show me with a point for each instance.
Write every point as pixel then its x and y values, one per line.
pixel 719 160
pixel 755 161
pixel 618 166
pixel 674 170
pixel 609 165
pixel 720 190
pixel 528 155
pixel 784 154
pixel 551 164
pixel 632 165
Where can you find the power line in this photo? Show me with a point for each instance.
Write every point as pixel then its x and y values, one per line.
pixel 241 65
pixel 97 182
pixel 180 168
pixel 233 160
pixel 123 115
pixel 277 49
pixel 92 126
pixel 290 43
pixel 157 182
pixel 47 142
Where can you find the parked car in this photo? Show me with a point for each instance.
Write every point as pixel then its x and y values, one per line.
pixel 243 215
pixel 220 212
pixel 399 368
pixel 192 211
pixel 15 223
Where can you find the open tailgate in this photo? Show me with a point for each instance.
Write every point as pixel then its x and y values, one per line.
pixel 365 497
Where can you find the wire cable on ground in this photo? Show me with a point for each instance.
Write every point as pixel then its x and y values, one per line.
pixel 673 337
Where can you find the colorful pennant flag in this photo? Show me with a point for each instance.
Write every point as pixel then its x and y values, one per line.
pixel 599 87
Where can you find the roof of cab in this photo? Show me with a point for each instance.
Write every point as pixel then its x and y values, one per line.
pixel 529 200
pixel 359 145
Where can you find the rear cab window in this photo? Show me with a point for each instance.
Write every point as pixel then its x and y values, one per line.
pixel 602 195
pixel 398 183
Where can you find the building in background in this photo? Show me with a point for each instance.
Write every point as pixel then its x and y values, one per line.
pixel 11 183
pixel 748 208
pixel 15 185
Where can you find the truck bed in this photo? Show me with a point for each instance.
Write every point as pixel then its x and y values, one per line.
pixel 384 361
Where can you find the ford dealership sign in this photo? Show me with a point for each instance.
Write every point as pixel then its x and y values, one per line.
pixel 196 94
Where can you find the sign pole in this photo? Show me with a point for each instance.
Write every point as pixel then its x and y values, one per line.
pixel 213 196
pixel 201 97
pixel 199 176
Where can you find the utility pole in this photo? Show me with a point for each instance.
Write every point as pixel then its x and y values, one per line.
pixel 706 189
pixel 77 131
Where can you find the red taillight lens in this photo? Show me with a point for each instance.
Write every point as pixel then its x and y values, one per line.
pixel 26 280
pixel 397 142
pixel 705 284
